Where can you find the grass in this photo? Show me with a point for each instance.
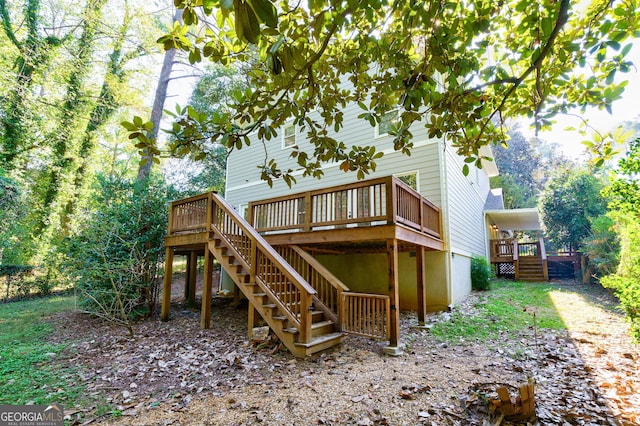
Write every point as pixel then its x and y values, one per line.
pixel 27 356
pixel 509 306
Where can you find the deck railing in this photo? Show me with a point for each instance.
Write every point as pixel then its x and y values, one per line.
pixel 366 314
pixel 189 214
pixel 503 248
pixel 506 248
pixel 372 202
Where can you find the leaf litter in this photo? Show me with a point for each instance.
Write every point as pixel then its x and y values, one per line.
pixel 174 373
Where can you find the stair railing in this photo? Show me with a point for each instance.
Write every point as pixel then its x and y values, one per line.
pixel 284 287
pixel 329 288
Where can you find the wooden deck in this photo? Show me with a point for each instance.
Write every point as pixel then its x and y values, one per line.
pixel 353 215
pixel 529 261
pixel 270 256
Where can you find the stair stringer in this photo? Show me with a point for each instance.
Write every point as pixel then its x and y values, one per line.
pixel 239 271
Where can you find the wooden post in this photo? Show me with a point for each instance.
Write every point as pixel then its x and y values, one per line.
pixel 420 284
pixel 187 271
pixel 166 289
pixel 391 200
pixel 306 303
pixel 307 212
pixel 193 275
pixel 205 312
pixel 251 320
pixel 394 296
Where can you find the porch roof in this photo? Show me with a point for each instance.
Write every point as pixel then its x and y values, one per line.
pixel 515 219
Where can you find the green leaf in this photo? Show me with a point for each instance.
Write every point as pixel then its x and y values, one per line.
pixel 265 11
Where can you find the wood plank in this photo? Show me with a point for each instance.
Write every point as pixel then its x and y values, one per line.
pixel 186 239
pixel 394 294
pixel 205 311
pixel 166 289
pixel 422 307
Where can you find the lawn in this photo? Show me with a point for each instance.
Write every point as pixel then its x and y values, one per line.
pixel 508 306
pixel 28 367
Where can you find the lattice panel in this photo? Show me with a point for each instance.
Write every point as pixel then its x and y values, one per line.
pixel 505 270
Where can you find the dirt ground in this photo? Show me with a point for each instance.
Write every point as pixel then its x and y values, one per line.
pixel 174 373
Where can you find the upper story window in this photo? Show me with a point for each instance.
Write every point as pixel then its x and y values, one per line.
pixel 387 120
pixel 411 179
pixel 289 135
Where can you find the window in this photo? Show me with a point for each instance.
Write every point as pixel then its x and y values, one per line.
pixel 289 136
pixel 411 179
pixel 243 210
pixel 387 120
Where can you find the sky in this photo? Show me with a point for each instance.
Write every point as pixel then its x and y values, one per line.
pixel 625 109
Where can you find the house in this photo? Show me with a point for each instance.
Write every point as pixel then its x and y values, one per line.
pixel 338 255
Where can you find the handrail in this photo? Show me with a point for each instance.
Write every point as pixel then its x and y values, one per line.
pixel 328 287
pixel 272 273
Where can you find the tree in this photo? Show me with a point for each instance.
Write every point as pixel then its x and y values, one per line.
pixel 460 68
pixel 151 130
pixel 625 205
pixel 34 48
pixel 204 168
pixel 525 166
pixel 570 202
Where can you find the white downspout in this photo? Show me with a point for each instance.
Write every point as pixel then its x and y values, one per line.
pixel 445 219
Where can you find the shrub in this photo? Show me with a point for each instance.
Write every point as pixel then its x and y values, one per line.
pixel 603 246
pixel 480 273
pixel 626 282
pixel 115 258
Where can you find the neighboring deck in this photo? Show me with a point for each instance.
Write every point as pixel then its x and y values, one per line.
pixel 529 261
pixel 270 256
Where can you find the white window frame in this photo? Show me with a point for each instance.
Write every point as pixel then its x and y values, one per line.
pixel 243 210
pixel 377 129
pixel 409 173
pixel 285 136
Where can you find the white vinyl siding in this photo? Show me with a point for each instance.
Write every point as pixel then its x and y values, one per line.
pixel 243 174
pixel 466 198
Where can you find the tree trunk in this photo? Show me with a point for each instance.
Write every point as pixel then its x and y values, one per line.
pixel 158 103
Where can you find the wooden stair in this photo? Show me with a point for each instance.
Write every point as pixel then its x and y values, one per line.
pixel 294 314
pixel 530 268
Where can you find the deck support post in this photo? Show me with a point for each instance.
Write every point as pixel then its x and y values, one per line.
pixel 187 271
pixel 420 285
pixel 166 289
pixel 251 320
pixel 394 296
pixel 192 264
pixel 205 312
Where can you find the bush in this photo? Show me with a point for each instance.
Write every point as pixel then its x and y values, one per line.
pixel 115 257
pixel 480 273
pixel 626 282
pixel 602 246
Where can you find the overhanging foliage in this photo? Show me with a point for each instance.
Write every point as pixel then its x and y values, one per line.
pixel 460 68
